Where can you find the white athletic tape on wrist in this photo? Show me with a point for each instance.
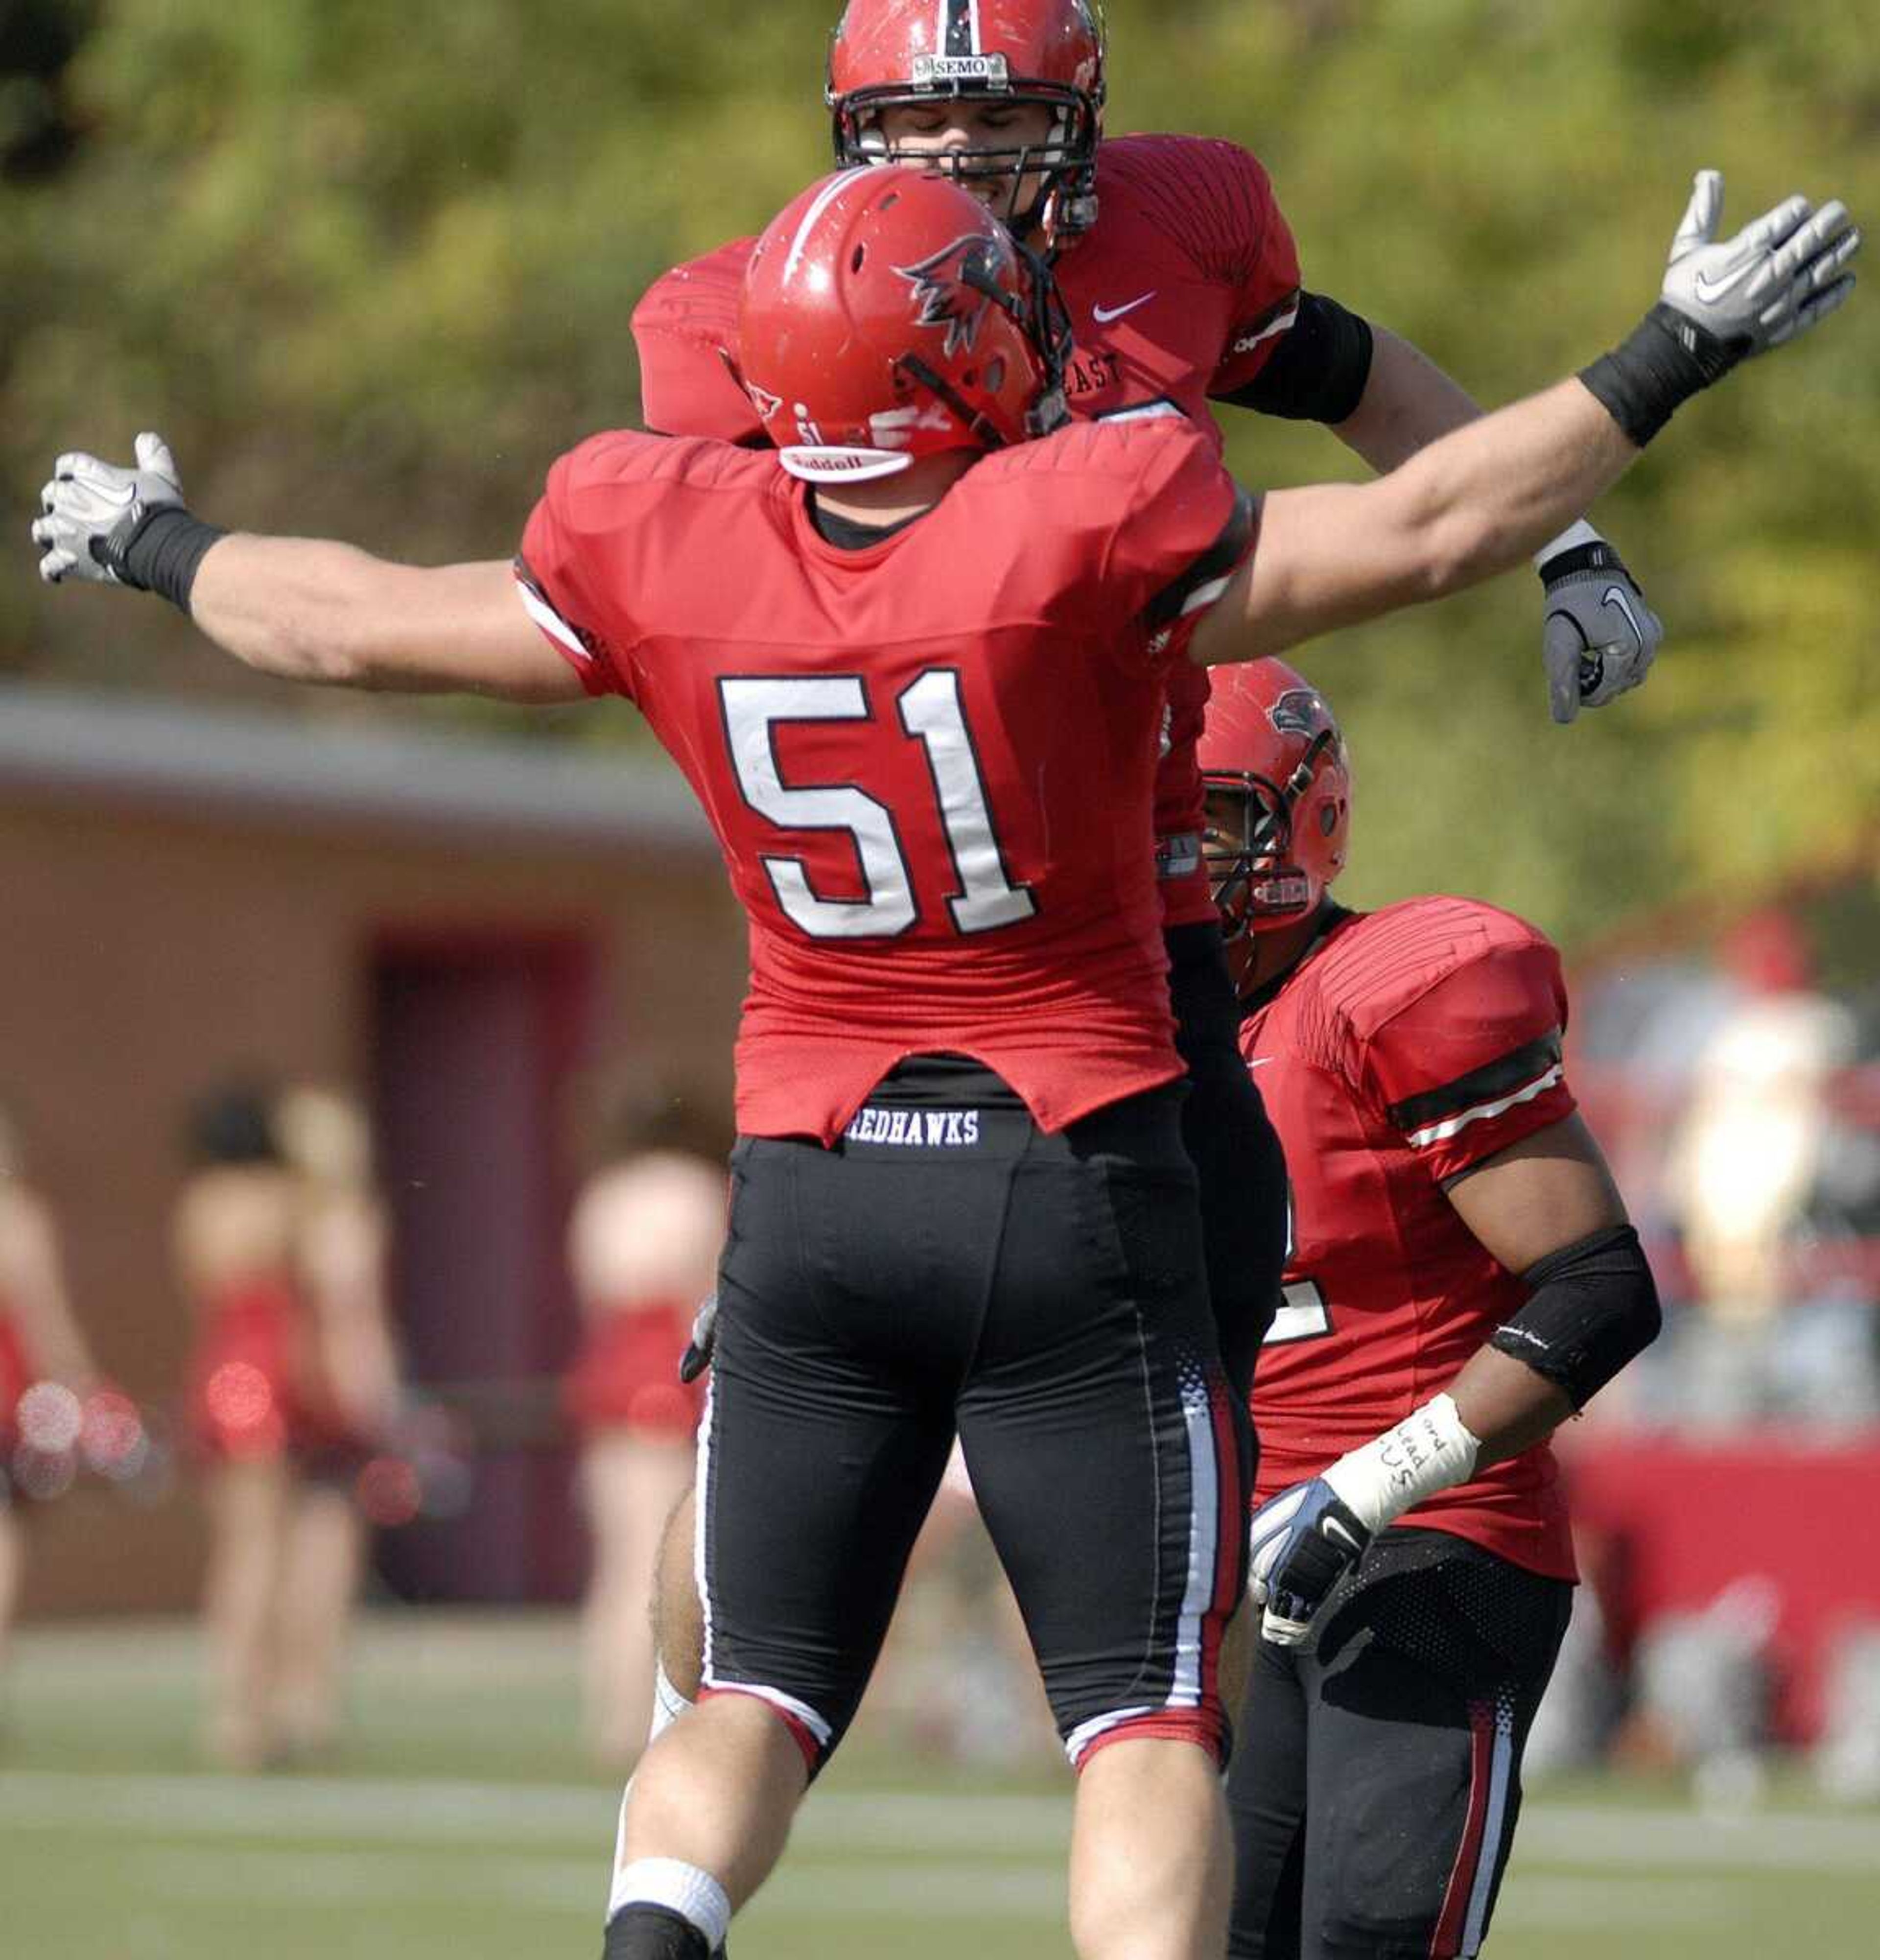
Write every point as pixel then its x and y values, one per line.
pixel 689 1890
pixel 1569 539
pixel 1427 1452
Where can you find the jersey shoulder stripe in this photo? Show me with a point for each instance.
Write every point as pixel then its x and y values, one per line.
pixel 1209 575
pixel 1436 1114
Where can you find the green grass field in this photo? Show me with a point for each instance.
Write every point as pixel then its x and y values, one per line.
pixel 460 1822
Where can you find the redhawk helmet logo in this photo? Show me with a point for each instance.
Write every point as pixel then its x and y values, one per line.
pixel 953 288
pixel 1299 711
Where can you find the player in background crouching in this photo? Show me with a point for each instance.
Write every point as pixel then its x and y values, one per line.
pixel 1461 1277
pixel 930 554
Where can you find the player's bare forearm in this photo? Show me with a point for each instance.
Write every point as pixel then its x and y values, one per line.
pixel 1505 1404
pixel 314 609
pixel 1475 502
pixel 1408 403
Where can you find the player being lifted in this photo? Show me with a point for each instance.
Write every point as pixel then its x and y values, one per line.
pixel 1183 286
pixel 960 1200
pixel 1453 1228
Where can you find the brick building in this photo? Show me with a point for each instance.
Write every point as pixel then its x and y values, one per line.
pixel 465 931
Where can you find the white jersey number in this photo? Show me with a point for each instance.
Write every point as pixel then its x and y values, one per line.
pixel 1302 1315
pixel 932 712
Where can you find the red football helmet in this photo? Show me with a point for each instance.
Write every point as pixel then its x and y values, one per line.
pixel 895 53
pixel 1279 792
pixel 888 315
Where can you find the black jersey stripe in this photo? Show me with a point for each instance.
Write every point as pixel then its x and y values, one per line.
pixel 1221 560
pixel 1514 1071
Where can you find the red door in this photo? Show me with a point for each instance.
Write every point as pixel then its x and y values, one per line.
pixel 474 1040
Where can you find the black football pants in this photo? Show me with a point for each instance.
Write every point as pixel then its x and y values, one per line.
pixel 1041 1293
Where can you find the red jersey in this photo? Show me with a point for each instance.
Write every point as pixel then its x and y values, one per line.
pixel 1411 1045
pixel 929 762
pixel 1181 292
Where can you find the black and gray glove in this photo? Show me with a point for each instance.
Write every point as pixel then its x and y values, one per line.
pixel 697 1357
pixel 1599 638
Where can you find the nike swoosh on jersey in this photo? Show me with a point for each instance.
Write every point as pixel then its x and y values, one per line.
pixel 1260 1061
pixel 1104 315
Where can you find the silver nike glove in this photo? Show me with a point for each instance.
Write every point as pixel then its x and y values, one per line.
pixel 1600 638
pixel 91 509
pixel 1778 277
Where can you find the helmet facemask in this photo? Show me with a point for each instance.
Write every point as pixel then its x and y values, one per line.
pixel 1256 880
pixel 1064 162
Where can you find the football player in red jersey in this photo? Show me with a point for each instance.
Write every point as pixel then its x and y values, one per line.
pixel 1461 1277
pixel 960 1201
pixel 1183 284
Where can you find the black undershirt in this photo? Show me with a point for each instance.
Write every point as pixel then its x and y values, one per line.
pixel 845 534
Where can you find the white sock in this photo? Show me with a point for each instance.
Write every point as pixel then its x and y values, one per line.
pixel 691 1892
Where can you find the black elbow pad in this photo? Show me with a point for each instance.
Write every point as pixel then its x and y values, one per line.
pixel 1317 372
pixel 1591 1307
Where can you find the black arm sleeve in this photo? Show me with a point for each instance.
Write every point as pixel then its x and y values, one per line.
pixel 1591 1307
pixel 1317 373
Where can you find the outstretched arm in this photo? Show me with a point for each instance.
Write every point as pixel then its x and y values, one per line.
pixel 1474 503
pixel 304 608
pixel 308 609
pixel 1479 499
pixel 1408 403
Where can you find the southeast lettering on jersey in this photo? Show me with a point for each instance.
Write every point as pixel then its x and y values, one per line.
pixel 915 1129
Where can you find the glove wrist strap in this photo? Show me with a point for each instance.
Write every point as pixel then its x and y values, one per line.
pixel 159 551
pixel 1666 359
pixel 1426 1452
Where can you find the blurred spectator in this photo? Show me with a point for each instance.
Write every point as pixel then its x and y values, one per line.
pixel 41 1350
pixel 1744 1170
pixel 1847 1757
pixel 280 1242
pixel 1704 1691
pixel 643 1243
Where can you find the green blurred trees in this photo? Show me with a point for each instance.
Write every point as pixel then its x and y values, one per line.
pixel 370 268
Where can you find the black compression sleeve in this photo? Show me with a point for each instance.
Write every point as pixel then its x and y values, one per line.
pixel 1664 361
pixel 1317 371
pixel 1591 1307
pixel 160 553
